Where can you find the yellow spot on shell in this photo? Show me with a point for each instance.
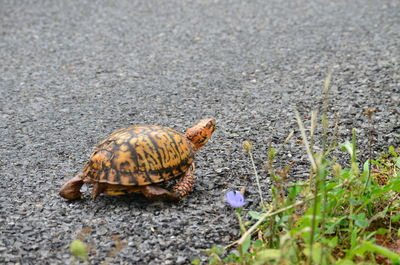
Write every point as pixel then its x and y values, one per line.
pixel 133 141
pixel 102 175
pixel 155 178
pixel 124 148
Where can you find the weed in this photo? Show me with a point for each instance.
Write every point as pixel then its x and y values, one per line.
pixel 345 215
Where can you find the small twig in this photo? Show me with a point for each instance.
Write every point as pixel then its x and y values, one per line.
pixel 303 135
pixel 247 146
pixel 257 178
pixel 335 139
pixel 369 112
pixel 325 124
pixel 314 115
pixel 290 135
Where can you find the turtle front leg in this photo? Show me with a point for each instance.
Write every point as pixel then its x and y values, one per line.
pixel 185 185
pixel 71 189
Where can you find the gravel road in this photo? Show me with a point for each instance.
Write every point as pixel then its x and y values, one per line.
pixel 72 72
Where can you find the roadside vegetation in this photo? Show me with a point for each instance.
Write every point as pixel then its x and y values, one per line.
pixel 343 214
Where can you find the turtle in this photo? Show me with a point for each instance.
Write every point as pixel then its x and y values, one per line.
pixel 138 158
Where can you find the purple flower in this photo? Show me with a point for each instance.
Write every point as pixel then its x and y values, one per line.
pixel 235 199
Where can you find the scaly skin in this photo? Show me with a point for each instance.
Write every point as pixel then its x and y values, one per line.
pixel 201 133
pixel 185 184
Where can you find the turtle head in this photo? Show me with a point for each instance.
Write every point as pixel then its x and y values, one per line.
pixel 201 133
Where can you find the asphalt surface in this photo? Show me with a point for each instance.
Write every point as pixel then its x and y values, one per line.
pixel 73 72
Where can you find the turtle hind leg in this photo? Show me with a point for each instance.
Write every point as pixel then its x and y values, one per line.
pixel 180 190
pixel 71 189
pixel 155 192
pixel 98 188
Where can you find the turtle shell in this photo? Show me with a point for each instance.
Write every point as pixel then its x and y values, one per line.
pixel 140 155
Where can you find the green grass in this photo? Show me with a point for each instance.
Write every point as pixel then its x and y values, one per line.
pixel 341 215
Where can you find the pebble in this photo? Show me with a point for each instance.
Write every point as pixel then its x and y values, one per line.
pixel 180 260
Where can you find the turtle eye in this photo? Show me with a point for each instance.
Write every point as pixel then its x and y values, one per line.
pixel 211 124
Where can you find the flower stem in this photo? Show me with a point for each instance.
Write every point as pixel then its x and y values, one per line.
pixel 238 212
pixel 257 178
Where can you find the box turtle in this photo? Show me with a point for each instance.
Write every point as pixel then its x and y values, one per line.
pixel 135 159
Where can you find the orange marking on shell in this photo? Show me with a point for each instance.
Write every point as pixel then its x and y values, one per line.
pixel 173 154
pixel 112 174
pixel 155 178
pixel 95 166
pixel 184 168
pixel 102 175
pixel 96 161
pixel 141 179
pixel 125 179
pixel 94 174
pixel 120 160
pixel 144 162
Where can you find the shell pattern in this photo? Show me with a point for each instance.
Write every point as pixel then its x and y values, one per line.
pixel 140 155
